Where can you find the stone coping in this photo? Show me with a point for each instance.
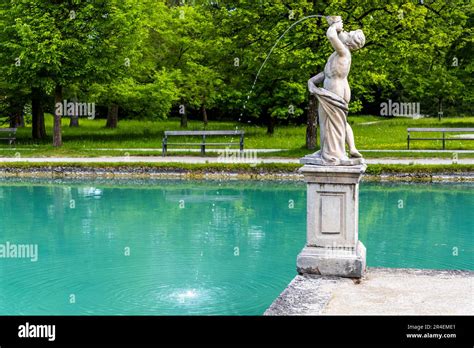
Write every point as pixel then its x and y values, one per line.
pixel 133 172
pixel 382 291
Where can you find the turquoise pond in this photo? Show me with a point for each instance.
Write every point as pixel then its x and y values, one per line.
pixel 201 247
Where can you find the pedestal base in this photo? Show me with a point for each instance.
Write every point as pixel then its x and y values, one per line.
pixel 315 159
pixel 327 261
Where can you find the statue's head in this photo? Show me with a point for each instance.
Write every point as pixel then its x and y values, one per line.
pixel 354 40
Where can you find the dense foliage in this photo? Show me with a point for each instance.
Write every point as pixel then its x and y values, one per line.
pixel 149 59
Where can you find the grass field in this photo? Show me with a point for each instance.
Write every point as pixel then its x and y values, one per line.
pixel 371 132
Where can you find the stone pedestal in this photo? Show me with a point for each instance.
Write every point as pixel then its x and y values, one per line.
pixel 333 246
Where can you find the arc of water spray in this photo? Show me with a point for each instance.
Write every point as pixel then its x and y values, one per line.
pixel 271 51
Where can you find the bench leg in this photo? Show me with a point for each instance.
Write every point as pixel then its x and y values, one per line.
pixel 408 142
pixel 444 142
pixel 165 148
pixel 203 146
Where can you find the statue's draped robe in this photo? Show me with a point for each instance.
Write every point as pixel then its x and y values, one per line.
pixel 333 112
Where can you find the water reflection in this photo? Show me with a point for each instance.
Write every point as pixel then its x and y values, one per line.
pixel 230 248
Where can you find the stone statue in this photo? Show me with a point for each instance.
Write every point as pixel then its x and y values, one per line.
pixel 334 99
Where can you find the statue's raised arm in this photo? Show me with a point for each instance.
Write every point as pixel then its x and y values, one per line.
pixel 333 35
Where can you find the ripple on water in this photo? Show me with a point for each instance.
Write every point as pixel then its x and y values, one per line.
pixel 233 256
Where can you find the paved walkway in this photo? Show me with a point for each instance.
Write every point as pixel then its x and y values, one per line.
pixel 382 291
pixel 9 149
pixel 202 160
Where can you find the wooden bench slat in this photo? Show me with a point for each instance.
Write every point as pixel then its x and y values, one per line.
pixel 216 144
pixel 427 138
pixel 203 143
pixel 199 144
pixel 441 138
pixel 8 129
pixel 11 134
pixel 451 138
pixel 201 133
pixel 440 130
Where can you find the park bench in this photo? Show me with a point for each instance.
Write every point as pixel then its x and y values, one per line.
pixel 203 143
pixel 8 134
pixel 440 130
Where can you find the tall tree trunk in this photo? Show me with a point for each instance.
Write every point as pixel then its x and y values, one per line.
pixel 16 118
pixel 38 128
pixel 184 118
pixel 440 108
pixel 58 98
pixel 204 114
pixel 311 128
pixel 270 125
pixel 74 121
pixel 112 116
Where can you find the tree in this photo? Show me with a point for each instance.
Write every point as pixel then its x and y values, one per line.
pixel 141 58
pixel 147 88
pixel 13 99
pixel 60 43
pixel 183 39
pixel 146 100
pixel 404 40
pixel 409 51
pixel 249 31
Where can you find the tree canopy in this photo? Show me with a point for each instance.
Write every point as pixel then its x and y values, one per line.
pixel 152 59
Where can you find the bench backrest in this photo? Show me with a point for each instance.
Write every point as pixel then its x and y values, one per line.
pixel 440 129
pixel 9 130
pixel 204 133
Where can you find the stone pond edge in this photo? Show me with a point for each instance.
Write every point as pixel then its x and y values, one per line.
pixel 133 172
pixel 310 294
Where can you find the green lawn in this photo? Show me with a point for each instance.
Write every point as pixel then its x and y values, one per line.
pixel 371 133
